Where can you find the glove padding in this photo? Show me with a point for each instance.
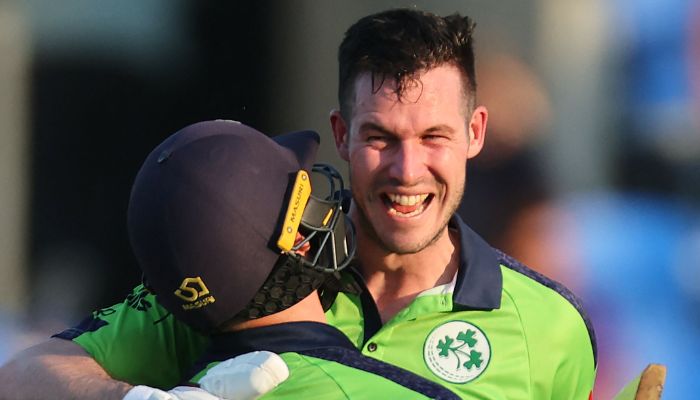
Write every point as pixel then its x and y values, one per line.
pixel 247 376
pixel 177 393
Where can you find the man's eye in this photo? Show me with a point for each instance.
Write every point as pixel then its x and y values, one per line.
pixel 377 142
pixel 377 139
pixel 432 138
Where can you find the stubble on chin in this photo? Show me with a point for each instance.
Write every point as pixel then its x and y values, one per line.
pixel 368 229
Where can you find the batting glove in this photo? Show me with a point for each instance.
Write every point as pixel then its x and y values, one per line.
pixel 247 376
pixel 178 393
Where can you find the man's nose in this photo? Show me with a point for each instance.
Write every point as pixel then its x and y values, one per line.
pixel 407 163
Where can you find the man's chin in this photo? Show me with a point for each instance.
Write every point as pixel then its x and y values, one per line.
pixel 408 244
pixel 395 239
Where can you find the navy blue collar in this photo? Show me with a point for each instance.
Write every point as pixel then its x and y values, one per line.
pixel 479 279
pixel 288 337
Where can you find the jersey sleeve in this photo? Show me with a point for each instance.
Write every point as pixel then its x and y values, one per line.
pixel 575 376
pixel 138 341
pixel 561 349
pixel 560 338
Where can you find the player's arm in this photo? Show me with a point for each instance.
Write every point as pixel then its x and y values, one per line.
pixel 61 369
pixel 57 369
pixel 136 341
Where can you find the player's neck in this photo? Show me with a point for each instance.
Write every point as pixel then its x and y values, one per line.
pixel 394 280
pixel 309 309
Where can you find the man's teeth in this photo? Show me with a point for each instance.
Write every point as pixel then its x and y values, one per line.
pixel 407 200
pixel 412 202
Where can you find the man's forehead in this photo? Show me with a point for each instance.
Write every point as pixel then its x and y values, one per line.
pixel 440 86
pixel 370 89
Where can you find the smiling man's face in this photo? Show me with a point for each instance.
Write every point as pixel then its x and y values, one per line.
pixel 408 156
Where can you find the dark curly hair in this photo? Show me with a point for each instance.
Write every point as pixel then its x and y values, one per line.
pixel 398 44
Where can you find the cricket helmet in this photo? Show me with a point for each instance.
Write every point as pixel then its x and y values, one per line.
pixel 213 219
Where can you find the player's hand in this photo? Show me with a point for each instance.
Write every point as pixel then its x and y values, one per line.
pixel 178 393
pixel 247 376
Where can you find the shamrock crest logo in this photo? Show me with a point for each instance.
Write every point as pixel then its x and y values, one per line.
pixel 457 351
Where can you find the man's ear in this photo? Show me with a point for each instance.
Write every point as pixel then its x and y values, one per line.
pixel 477 131
pixel 340 134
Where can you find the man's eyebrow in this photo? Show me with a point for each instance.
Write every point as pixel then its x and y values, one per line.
pixel 439 128
pixel 375 127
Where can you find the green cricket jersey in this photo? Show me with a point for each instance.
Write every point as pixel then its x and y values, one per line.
pixel 323 364
pixel 498 331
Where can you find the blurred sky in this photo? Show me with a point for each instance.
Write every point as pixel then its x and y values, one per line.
pixel 591 171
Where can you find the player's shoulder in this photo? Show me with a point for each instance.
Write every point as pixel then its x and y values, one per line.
pixel 138 308
pixel 524 281
pixel 543 302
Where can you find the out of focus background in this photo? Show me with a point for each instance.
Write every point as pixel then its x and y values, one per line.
pixel 590 174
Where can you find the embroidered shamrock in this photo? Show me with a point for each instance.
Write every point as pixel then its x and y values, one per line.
pixel 448 346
